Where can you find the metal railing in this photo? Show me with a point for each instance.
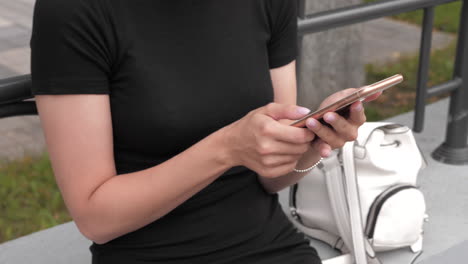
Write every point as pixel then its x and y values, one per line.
pixel 13 95
pixel 454 150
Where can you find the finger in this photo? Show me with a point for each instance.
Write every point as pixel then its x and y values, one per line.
pixel 372 97
pixel 357 115
pixel 322 148
pixel 324 133
pixel 325 150
pixel 337 96
pixel 343 127
pixel 288 133
pixel 273 147
pixel 286 121
pixel 285 148
pixel 282 111
pixel 272 161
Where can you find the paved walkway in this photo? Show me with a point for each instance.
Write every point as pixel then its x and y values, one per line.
pixel 384 40
pixel 15 32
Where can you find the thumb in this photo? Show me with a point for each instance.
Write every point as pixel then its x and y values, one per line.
pixel 282 111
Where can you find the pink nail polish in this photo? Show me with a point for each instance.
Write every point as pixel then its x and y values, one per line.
pixel 312 123
pixel 358 107
pixel 329 117
pixel 303 110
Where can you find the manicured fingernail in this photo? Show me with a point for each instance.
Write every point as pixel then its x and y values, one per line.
pixel 326 152
pixel 303 110
pixel 329 117
pixel 312 123
pixel 358 107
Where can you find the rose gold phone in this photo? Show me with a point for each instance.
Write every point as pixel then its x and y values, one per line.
pixel 342 106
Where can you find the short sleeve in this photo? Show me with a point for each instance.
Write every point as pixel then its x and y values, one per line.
pixel 71 48
pixel 282 47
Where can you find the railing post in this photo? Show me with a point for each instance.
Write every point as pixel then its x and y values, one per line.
pixel 423 71
pixel 455 148
pixel 301 12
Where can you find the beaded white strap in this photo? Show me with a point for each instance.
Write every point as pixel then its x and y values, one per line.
pixel 309 169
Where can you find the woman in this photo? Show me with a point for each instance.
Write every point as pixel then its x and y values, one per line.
pixel 160 127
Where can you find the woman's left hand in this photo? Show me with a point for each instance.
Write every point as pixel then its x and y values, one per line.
pixel 342 130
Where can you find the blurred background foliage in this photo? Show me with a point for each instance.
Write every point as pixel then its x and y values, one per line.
pixel 29 197
pixel 401 99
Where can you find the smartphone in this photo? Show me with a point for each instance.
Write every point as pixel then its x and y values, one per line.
pixel 342 106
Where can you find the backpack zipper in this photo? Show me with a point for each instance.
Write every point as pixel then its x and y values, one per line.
pixel 292 203
pixel 377 205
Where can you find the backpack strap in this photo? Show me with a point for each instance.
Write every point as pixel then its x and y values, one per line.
pixel 337 197
pixel 362 249
pixel 366 130
pixel 334 241
pixel 344 198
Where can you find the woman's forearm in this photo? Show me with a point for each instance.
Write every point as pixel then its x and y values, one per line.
pixel 274 185
pixel 130 201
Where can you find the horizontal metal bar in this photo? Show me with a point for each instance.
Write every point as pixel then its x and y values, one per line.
pixel 18 109
pixel 446 87
pixel 360 13
pixel 15 89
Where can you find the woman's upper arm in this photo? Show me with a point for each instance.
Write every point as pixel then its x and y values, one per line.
pixel 284 83
pixel 78 133
pixel 71 65
pixel 282 50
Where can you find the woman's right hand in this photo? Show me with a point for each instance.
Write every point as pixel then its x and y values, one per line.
pixel 261 143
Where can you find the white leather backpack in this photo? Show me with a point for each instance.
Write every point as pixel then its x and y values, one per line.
pixel 363 198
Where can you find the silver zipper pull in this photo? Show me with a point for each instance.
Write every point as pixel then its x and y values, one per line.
pixel 294 213
pixel 426 218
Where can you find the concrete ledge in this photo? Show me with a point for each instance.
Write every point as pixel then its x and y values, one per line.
pixel 456 254
pixel 60 244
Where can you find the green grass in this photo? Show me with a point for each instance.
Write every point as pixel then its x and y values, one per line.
pixel 29 198
pixel 446 19
pixel 401 99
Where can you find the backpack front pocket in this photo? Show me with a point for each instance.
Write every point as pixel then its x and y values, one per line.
pixel 396 217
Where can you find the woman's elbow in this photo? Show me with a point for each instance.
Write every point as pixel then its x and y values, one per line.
pixel 92 233
pixel 93 230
